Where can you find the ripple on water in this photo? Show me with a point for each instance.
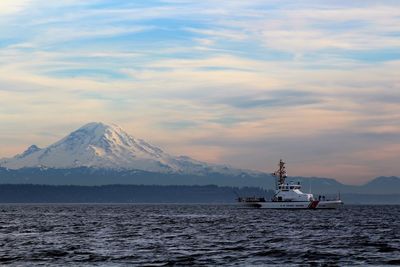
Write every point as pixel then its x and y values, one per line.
pixel 160 235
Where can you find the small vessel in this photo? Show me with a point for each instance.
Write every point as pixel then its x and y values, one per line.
pixel 289 196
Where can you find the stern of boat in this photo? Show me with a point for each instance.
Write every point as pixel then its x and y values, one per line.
pixel 329 204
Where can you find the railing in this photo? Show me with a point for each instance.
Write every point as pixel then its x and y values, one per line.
pixel 251 199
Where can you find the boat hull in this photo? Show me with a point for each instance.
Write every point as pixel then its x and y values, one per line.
pixel 329 204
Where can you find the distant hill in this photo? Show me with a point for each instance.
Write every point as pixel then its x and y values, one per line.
pixel 378 186
pixel 125 194
pixel 381 185
pixel 92 176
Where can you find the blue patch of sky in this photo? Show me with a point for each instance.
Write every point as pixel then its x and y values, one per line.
pixel 176 24
pixel 110 67
pixel 87 72
pixel 218 68
pixel 172 34
pixel 366 56
pixel 341 26
pixel 162 34
pixel 124 3
pixel 166 33
pixel 103 61
pixel 321 59
pixel 13 34
pixel 372 56
pixel 5 42
pixel 253 50
pixel 391 34
pixel 151 38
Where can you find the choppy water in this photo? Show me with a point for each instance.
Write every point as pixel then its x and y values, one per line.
pixel 158 235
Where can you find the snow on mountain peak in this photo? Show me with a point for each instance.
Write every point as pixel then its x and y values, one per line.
pixel 105 138
pixel 102 145
pixel 95 134
pixel 29 150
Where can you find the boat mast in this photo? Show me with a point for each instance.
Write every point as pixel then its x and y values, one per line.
pixel 280 175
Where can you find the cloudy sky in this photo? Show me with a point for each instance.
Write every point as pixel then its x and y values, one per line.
pixel 238 82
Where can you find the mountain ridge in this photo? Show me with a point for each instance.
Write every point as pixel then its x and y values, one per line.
pixel 92 176
pixel 98 145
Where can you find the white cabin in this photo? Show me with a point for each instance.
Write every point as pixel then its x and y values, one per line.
pixel 291 192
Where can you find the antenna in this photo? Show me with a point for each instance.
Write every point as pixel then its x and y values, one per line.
pixel 280 174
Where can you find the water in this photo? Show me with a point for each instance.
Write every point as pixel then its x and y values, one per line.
pixel 158 235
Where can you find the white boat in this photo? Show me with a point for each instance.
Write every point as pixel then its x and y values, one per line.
pixel 289 196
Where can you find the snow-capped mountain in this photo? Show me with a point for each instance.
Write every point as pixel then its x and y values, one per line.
pixel 104 146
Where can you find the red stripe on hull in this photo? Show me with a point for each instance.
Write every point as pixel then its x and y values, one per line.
pixel 313 204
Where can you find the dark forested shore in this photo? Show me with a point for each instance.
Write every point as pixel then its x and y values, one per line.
pixel 28 193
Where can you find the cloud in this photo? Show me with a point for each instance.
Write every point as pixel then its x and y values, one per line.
pixel 247 80
pixel 8 7
pixel 272 99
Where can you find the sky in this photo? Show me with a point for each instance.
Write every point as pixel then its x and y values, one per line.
pixel 244 83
